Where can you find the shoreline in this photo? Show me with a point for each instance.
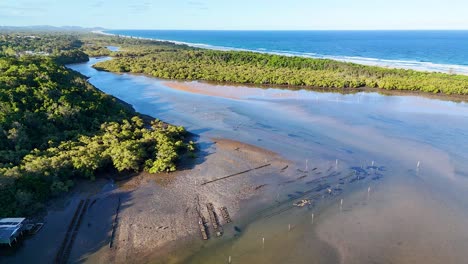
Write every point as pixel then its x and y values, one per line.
pixel 158 215
pixel 245 246
pixel 158 218
pixel 161 213
pixel 459 98
pixel 183 85
pixel 376 62
pixel 197 87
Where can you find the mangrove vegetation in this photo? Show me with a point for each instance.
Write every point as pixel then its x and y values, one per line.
pixel 172 61
pixel 56 128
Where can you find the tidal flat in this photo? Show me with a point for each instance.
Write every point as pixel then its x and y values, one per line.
pixel 409 206
pixel 386 177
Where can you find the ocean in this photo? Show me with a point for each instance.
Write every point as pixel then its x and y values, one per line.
pixel 441 51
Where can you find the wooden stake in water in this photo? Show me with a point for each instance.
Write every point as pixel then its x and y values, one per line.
pixel 263 243
pixel 229 260
pixel 341 205
pixel 289 227
pixel 307 165
pixel 368 193
pixel 336 164
pixel 312 218
pixel 372 163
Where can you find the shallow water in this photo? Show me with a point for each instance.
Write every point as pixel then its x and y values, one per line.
pixel 315 129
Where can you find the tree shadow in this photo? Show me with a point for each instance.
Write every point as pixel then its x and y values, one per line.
pixel 189 161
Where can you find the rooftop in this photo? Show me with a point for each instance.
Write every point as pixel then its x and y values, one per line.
pixel 9 228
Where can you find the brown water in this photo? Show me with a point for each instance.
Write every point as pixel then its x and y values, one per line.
pixel 410 215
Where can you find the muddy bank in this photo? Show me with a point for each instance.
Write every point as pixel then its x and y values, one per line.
pixel 157 214
pixel 158 217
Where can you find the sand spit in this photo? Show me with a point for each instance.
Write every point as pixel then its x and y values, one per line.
pixel 201 88
pixel 243 91
pixel 229 90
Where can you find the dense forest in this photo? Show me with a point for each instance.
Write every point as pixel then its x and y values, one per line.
pixel 171 61
pixel 55 128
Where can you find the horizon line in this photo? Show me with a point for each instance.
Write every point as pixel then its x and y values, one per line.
pixel 241 29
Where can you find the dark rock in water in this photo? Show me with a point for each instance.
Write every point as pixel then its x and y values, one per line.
pixel 237 229
pixel 291 196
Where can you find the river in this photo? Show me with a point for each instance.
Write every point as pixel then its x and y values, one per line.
pixel 416 213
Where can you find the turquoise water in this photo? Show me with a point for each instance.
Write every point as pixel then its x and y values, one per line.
pixel 445 51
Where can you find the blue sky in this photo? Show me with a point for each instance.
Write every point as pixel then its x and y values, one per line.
pixel 238 14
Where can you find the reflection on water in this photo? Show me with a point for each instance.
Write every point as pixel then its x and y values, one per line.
pixel 411 215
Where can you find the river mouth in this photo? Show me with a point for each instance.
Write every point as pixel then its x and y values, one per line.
pixel 408 207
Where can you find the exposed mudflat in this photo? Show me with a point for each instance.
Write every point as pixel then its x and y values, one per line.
pixel 160 211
